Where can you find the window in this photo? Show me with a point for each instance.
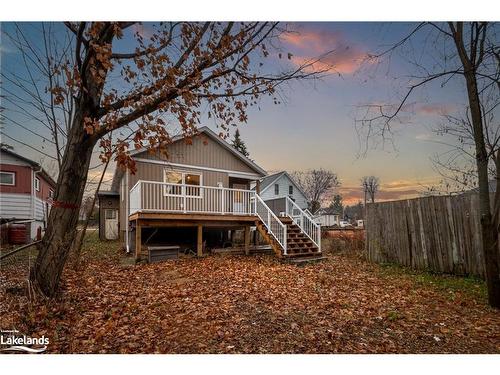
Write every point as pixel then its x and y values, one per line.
pixel 51 193
pixel 192 180
pixel 276 189
pixel 290 190
pixel 173 178
pixel 110 214
pixel 37 184
pixel 7 178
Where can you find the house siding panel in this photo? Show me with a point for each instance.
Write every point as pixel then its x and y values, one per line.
pixel 22 179
pixel 45 187
pixel 284 182
pixel 204 152
pixel 16 206
pixel 42 209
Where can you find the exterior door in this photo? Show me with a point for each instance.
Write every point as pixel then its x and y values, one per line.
pixel 111 224
pixel 239 199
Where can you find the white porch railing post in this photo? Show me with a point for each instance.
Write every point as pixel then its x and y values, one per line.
pixel 139 189
pixel 285 251
pixel 319 237
pixel 223 200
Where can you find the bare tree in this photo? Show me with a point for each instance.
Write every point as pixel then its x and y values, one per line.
pixel 469 51
pixel 173 73
pixel 457 165
pixel 370 185
pixel 317 184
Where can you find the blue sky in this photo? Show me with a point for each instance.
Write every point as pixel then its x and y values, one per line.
pixel 314 127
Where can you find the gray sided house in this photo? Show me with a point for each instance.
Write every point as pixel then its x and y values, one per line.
pixel 192 198
pixel 275 188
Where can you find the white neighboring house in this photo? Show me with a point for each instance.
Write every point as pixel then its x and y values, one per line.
pixel 276 187
pixel 327 217
pixel 26 192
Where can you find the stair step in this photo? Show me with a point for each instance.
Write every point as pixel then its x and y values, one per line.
pixel 299 245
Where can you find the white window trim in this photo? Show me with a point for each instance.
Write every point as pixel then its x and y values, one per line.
pixel 13 174
pixel 183 183
pixel 37 188
pixel 51 193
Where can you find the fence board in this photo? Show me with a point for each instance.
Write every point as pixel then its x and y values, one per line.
pixel 438 233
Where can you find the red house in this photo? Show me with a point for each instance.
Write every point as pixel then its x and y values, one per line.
pixel 26 192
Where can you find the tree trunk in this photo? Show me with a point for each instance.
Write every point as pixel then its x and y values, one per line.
pixel 63 219
pixel 489 232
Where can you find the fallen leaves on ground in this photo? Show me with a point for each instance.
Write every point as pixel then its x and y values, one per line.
pixel 237 304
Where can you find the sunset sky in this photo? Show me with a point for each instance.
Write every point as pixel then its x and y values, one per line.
pixel 315 126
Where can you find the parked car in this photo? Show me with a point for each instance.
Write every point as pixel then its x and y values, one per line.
pixel 345 224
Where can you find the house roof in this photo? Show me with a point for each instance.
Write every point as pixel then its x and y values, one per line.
pixel 33 164
pixel 208 132
pixel 269 180
pixel 107 193
pixel 327 211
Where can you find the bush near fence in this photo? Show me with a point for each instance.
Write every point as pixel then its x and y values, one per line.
pixel 343 241
pixel 437 233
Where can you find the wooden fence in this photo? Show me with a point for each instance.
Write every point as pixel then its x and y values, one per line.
pixel 439 233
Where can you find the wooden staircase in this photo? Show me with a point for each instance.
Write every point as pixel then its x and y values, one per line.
pixel 299 245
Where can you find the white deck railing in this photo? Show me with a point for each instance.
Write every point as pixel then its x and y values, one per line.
pixel 304 221
pixel 153 196
pixel 274 225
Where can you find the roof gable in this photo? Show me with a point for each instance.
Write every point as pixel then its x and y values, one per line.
pixel 270 180
pixel 206 137
pixel 28 162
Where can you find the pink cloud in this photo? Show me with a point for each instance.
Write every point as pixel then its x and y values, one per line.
pixel 436 109
pixel 308 45
pixel 389 191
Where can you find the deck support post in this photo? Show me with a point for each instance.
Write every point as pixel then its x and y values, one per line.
pixel 138 239
pixel 199 247
pixel 247 240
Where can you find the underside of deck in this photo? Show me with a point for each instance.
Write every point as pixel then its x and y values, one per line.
pixel 142 220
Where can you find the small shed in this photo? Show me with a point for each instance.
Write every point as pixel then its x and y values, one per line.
pixel 327 217
pixel 109 213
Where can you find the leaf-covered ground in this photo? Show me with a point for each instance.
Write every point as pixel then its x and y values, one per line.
pixel 237 304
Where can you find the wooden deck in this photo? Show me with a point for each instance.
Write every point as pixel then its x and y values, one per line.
pixel 181 219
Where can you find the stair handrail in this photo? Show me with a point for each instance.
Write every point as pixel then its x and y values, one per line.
pixel 303 214
pixel 270 214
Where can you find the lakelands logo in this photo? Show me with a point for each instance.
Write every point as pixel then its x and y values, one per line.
pixel 13 341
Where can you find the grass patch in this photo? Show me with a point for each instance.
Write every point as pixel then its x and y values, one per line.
pixel 94 248
pixel 451 284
